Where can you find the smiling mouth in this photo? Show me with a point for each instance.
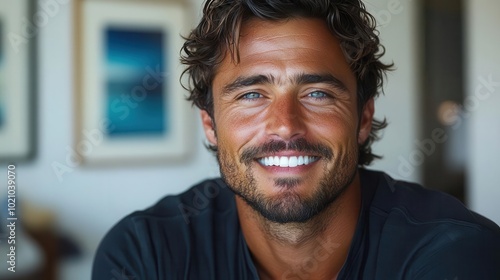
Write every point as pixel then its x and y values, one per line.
pixel 292 161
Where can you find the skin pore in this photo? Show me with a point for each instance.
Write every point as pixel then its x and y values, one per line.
pixel 287 132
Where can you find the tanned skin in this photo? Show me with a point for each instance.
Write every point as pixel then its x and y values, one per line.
pixel 286 104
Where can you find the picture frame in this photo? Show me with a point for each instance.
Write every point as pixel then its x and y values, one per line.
pixel 18 30
pixel 131 106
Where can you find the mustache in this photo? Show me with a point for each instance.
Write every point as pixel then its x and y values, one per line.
pixel 276 146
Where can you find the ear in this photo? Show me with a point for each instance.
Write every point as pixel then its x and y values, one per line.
pixel 208 127
pixel 365 124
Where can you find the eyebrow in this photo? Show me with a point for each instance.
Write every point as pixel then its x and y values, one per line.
pixel 242 82
pixel 299 79
pixel 303 79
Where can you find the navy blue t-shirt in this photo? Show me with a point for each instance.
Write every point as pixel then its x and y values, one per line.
pixel 404 232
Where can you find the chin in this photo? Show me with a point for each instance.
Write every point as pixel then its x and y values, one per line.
pixel 289 206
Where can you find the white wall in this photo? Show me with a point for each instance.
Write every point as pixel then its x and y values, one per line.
pixel 398 26
pixel 89 201
pixel 482 102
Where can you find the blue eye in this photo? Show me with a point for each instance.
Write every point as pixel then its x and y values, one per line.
pixel 251 95
pixel 318 94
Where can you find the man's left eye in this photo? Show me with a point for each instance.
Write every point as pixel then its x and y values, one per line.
pixel 318 94
pixel 251 95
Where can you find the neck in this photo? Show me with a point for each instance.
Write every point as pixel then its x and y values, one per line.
pixel 316 249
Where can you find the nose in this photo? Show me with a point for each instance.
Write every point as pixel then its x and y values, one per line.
pixel 285 119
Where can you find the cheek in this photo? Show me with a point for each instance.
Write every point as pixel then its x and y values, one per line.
pixel 236 129
pixel 338 126
pixel 335 133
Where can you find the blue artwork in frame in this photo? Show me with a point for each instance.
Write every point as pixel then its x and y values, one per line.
pixel 135 96
pixel 127 83
pixel 2 77
pixel 17 82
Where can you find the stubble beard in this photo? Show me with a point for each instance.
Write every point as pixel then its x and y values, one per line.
pixel 289 206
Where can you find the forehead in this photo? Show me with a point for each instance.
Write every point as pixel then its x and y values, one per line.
pixel 285 48
pixel 255 30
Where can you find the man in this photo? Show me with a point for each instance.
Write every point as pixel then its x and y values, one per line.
pixel 286 91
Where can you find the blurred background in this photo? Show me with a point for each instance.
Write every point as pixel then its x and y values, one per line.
pixel 441 103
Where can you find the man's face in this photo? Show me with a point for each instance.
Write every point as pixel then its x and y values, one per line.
pixel 286 120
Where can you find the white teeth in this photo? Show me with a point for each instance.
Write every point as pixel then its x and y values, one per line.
pixel 283 162
pixel 300 161
pixel 293 161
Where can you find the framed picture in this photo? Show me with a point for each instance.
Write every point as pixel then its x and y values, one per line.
pixel 17 80
pixel 131 105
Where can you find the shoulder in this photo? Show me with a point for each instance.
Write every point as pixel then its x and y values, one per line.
pixel 418 204
pixel 430 234
pixel 160 237
pixel 209 196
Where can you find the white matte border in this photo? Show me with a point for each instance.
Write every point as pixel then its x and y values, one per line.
pixel 91 144
pixel 15 134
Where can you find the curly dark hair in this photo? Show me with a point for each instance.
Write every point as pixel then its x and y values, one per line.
pixel 348 20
